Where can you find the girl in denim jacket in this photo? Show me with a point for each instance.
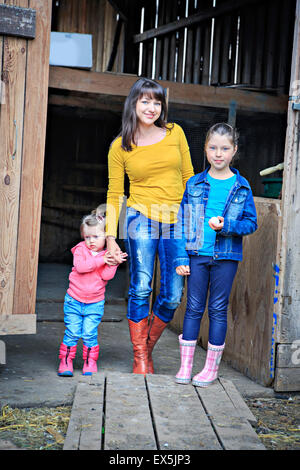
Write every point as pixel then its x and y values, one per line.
pixel 216 211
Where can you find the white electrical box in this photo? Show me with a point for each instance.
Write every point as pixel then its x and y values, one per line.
pixel 71 50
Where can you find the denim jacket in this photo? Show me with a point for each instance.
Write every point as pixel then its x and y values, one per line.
pixel 239 219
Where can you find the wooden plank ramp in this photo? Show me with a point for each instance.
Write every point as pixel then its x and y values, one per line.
pixel 118 411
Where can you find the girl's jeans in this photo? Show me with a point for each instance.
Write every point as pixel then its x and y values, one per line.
pixel 217 276
pixel 145 238
pixel 82 321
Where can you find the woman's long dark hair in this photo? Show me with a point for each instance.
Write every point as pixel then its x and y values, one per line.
pixel 143 86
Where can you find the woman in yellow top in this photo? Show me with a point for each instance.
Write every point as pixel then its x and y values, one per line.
pixel 155 156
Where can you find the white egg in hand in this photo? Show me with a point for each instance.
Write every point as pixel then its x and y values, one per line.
pixel 215 221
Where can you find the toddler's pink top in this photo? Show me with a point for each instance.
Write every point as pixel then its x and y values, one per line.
pixel 89 275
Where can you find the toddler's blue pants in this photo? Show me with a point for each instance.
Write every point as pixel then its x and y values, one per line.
pixel 82 321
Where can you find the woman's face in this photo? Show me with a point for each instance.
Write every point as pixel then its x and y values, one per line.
pixel 148 110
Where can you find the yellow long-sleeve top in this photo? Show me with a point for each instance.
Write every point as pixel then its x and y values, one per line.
pixel 157 175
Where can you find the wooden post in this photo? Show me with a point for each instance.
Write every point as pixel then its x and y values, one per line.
pixel 286 318
pixel 14 53
pixel 22 133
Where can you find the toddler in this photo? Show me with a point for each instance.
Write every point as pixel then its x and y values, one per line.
pixel 93 266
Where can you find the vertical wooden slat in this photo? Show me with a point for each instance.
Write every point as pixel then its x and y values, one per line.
pixel 233 41
pixel 286 26
pixel 172 57
pixel 248 50
pixel 166 43
pixel 11 136
pixel 197 55
pixel 271 51
pixel 216 51
pixel 189 47
pixel 37 73
pixel 259 44
pixel 206 54
pixel 286 309
pixel 180 14
pixel 159 43
pixel 225 64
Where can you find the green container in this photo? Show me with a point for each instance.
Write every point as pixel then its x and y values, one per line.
pixel 272 187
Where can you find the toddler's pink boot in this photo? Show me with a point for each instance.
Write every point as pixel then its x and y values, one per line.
pixel 210 372
pixel 90 356
pixel 187 349
pixel 66 355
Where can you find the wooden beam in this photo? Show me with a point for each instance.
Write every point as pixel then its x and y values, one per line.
pixel 16 21
pixel 179 93
pixel 222 9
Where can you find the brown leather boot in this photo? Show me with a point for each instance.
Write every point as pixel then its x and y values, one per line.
pixel 156 327
pixel 138 335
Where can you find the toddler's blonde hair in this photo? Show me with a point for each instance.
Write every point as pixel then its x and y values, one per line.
pixel 91 220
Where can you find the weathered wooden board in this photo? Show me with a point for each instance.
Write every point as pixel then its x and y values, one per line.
pixel 234 431
pixel 117 411
pixel 85 427
pixel 16 21
pixel 117 84
pixel 35 116
pixel 13 66
pixel 128 422
pixel 179 418
pixel 287 307
pixel 237 401
pixel 24 73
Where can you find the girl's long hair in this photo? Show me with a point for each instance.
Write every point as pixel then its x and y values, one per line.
pixel 143 86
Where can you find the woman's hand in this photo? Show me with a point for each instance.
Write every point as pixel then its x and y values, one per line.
pixel 183 270
pixel 116 255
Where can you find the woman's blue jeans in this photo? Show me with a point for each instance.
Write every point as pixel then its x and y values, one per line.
pixel 82 321
pixel 144 239
pixel 217 276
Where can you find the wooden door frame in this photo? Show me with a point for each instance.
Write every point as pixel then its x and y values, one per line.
pixel 286 317
pixel 20 262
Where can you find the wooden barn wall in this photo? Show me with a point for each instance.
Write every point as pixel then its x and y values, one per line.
pixel 96 17
pixel 249 46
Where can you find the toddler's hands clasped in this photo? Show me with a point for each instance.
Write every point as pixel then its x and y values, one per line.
pixel 117 257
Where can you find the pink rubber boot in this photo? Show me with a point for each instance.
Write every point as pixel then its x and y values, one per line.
pixel 187 349
pixel 66 355
pixel 210 372
pixel 90 356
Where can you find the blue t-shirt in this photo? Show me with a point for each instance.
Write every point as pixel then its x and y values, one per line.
pixel 218 193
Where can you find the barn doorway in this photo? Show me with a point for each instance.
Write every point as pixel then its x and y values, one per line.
pixel 75 183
